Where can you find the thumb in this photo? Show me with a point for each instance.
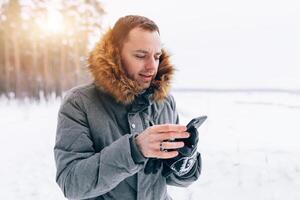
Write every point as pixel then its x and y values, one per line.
pixel 194 137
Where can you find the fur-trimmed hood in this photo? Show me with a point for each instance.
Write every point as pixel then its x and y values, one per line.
pixel 104 64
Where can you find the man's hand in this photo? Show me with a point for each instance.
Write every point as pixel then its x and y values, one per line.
pixel 184 162
pixel 156 141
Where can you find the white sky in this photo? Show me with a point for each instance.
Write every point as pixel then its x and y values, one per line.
pixel 225 44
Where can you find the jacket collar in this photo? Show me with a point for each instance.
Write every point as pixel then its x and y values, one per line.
pixel 141 101
pixel 104 63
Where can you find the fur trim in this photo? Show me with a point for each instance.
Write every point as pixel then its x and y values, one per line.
pixel 104 64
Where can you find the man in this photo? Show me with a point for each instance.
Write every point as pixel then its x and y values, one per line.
pixel 119 138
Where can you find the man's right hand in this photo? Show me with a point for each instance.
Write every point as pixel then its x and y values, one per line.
pixel 156 141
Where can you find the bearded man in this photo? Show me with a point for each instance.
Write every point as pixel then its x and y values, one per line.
pixel 119 137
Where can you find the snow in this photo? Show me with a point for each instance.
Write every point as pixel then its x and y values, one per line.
pixel 249 144
pixel 27 167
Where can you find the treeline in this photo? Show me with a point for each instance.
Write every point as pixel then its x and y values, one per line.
pixel 43 47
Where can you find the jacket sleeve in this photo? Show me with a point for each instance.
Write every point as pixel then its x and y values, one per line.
pixel 81 172
pixel 194 173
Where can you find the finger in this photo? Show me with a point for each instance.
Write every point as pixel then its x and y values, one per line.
pixel 172 135
pixel 166 154
pixel 169 128
pixel 172 145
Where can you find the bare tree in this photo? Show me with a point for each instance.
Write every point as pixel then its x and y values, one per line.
pixel 34 60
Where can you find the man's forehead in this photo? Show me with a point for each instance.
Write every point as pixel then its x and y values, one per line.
pixel 143 41
pixel 138 34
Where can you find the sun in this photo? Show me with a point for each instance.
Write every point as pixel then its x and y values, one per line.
pixel 53 21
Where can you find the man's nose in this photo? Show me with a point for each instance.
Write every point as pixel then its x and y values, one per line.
pixel 151 64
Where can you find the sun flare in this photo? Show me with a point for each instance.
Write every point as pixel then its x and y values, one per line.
pixel 54 22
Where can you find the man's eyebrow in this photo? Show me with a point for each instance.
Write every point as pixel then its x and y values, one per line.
pixel 146 52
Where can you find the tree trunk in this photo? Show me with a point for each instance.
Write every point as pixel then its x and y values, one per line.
pixel 63 77
pixel 77 65
pixel 7 67
pixel 35 73
pixel 46 70
pixel 17 64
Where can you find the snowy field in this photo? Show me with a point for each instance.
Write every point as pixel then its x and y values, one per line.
pixel 250 147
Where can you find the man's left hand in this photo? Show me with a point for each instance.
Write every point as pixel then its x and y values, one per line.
pixel 183 162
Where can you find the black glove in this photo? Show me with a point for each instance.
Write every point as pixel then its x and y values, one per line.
pixel 185 160
pixel 152 166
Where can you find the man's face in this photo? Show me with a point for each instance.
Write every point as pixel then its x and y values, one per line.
pixel 140 55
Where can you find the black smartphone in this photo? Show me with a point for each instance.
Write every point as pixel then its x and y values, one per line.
pixel 196 122
pixel 193 139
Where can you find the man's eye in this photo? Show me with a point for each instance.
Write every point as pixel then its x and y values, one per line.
pixel 140 56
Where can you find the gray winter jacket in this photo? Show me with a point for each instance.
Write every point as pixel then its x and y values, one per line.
pixel 95 154
pixel 93 151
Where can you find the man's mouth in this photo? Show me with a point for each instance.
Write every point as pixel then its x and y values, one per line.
pixel 146 76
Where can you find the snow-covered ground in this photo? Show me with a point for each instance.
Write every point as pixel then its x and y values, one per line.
pixel 250 147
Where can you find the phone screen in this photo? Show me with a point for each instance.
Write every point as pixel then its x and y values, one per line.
pixel 196 122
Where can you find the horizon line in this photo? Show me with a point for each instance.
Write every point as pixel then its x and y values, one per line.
pixel 238 90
